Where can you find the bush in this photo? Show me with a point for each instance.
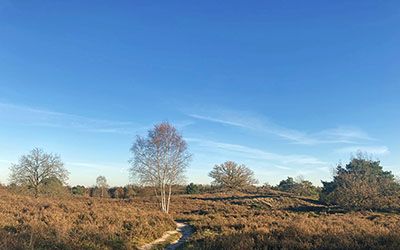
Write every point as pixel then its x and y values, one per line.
pixel 98 192
pixel 200 189
pixel 78 190
pixel 53 187
pixel 192 189
pixel 129 192
pixel 116 192
pixel 300 187
pixel 362 184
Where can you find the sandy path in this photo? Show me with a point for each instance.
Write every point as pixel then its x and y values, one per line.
pixel 185 231
pixel 183 228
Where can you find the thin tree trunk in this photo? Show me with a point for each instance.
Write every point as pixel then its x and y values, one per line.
pixel 169 198
pixel 163 197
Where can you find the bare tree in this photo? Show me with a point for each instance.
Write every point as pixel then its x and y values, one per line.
pixel 232 175
pixel 101 183
pixel 36 168
pixel 160 161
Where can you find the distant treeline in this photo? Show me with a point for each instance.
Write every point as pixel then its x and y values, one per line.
pixel 56 188
pixel 360 184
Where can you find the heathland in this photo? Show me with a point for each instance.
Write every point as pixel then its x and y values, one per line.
pixel 259 219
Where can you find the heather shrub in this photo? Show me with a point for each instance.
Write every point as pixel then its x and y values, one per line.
pixel 280 221
pixel 76 223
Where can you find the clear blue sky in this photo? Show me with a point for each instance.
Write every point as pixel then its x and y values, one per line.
pixel 286 87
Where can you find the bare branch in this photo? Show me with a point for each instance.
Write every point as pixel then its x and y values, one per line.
pixel 160 160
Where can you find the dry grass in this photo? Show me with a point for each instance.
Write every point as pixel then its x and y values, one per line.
pixel 280 221
pixel 76 223
pixel 271 220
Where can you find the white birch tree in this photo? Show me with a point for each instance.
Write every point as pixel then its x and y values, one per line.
pixel 101 183
pixel 160 161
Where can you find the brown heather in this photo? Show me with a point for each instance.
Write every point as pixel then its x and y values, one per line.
pixel 281 221
pixel 268 220
pixel 76 223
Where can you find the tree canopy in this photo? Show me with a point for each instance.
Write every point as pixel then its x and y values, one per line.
pixel 37 169
pixel 361 184
pixel 232 175
pixel 101 183
pixel 160 161
pixel 298 186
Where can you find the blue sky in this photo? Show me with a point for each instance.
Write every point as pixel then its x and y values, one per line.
pixel 287 87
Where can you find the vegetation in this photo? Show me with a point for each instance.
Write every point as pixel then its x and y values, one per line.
pixel 160 161
pixel 358 209
pixel 117 193
pixel 101 183
pixel 78 190
pixel 192 188
pixel 234 220
pixel 278 220
pixel 76 223
pixel 362 184
pixel 231 175
pixel 36 169
pixel 299 187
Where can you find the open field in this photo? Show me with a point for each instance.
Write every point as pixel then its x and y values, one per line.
pixel 269 220
pixel 76 223
pixel 280 221
pixel 215 125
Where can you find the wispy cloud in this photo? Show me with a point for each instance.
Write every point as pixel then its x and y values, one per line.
pixel 373 150
pixel 98 166
pixel 282 167
pixel 222 121
pixel 344 134
pixel 259 154
pixel 19 114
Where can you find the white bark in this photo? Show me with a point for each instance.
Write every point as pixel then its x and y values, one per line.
pixel 160 161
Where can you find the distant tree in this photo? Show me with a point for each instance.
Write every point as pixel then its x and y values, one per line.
pixel 129 191
pixel 192 188
pixel 101 183
pixel 116 192
pixel 287 185
pixel 361 184
pixel 232 175
pixel 94 192
pixel 34 169
pixel 160 161
pixel 300 186
pixel 306 188
pixel 266 185
pixel 78 190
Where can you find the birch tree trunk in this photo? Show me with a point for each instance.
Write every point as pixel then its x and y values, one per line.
pixel 169 198
pixel 160 161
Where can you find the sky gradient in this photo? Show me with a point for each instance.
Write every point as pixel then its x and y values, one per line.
pixel 287 88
